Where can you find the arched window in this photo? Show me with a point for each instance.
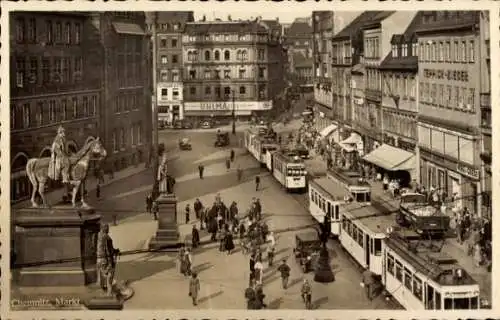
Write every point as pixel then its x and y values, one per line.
pixel 244 55
pixel 227 55
pixel 217 55
pixel 207 55
pixel 239 55
pixel 190 56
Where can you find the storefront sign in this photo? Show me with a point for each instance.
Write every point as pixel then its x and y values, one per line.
pixel 456 75
pixel 405 145
pixel 468 171
pixel 227 105
pixel 169 85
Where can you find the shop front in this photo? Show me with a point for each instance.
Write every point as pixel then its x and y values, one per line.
pixel 350 149
pixel 455 178
pixel 223 110
pixel 322 117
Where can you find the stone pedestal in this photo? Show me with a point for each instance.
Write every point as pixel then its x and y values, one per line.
pixel 167 234
pixel 56 246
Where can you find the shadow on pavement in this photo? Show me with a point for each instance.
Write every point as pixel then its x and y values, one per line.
pixel 316 304
pixel 294 282
pixel 132 271
pixel 202 267
pixel 210 296
pixel 275 304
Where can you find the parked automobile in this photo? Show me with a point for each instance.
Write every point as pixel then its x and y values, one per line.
pixel 206 125
pixel 306 251
pixel 185 144
pixel 222 139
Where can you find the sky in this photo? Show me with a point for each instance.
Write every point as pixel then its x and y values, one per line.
pixel 284 17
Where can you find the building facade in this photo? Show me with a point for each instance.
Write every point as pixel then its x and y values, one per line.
pixel 449 128
pixel 169 28
pixel 230 65
pixel 125 124
pixel 54 82
pixel 298 41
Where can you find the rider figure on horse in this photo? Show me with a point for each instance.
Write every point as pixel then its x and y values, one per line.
pixel 59 157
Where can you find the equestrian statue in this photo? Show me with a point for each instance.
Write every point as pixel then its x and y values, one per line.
pixel 73 169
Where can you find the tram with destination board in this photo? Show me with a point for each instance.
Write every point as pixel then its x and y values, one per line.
pixel 287 168
pixel 358 188
pixel 260 140
pixel 421 278
pixel 325 198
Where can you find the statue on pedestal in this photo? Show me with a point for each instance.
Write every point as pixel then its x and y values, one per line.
pixel 162 177
pixel 74 169
pixel 106 260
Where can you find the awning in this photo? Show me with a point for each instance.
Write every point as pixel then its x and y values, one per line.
pixel 328 130
pixel 353 139
pixel 391 158
pixel 128 28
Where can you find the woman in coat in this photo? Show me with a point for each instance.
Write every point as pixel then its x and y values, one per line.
pixel 229 243
pixel 194 288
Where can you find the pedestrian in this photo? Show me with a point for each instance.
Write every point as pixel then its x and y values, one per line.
pixel 368 282
pixel 197 208
pixel 239 173
pixel 250 291
pixel 284 270
pixel 98 191
pixel 228 164
pixel 201 168
pixel 194 288
pixel 229 243
pixel 259 270
pixel 259 294
pixel 478 255
pixel 232 155
pixel 385 182
pixel 187 213
pixel 155 210
pixel 252 267
pixel 257 183
pixel 203 218
pixel 189 262
pixel 306 293
pixel 195 236
pixel 270 255
pixel 149 200
pixel 258 208
pixel 181 260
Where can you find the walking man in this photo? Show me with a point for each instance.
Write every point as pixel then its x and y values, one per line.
pixel 228 164
pixel 149 203
pixel 201 168
pixel 187 213
pixel 368 282
pixel 257 183
pixel 155 210
pixel 194 288
pixel 232 155
pixel 98 191
pixel 284 270
pixel 306 292
pixel 239 173
pixel 197 208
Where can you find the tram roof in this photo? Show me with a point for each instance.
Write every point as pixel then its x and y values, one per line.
pixel 370 217
pixel 335 190
pixel 433 264
pixel 289 156
pixel 348 176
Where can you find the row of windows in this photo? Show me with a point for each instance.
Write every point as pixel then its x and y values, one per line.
pixel 453 50
pixel 372 79
pixel 52 111
pixel 401 124
pixel 226 74
pixel 119 137
pixel 128 101
pixel 176 26
pixel 59 32
pixel 175 93
pixel 405 50
pixel 170 75
pixel 398 85
pixel 217 91
pixel 164 43
pixel 331 210
pixel 129 70
pixel 241 55
pixel 372 47
pixel 353 231
pixel 174 59
pixel 225 38
pixel 448 143
pixel 341 53
pixel 40 70
pixel 406 277
pixel 451 97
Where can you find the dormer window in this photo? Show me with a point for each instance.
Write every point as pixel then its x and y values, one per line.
pixel 394 51
pixel 414 50
pixel 405 50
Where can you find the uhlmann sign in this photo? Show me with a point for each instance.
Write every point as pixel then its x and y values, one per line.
pixel 227 105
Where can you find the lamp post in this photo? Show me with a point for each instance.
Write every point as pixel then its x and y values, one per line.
pixel 233 114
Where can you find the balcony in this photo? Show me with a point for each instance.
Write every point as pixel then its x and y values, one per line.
pixel 373 94
pixel 485 100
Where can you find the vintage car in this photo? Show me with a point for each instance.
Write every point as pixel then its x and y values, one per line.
pixel 306 251
pixel 184 144
pixel 222 139
pixel 301 151
pixel 182 124
pixel 207 125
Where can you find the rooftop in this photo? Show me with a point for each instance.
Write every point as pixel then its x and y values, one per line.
pixel 370 217
pixel 447 21
pixel 333 190
pixel 362 20
pixel 174 16
pixel 234 27
pixel 299 29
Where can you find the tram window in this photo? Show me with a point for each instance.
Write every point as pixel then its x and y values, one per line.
pixel 408 278
pixel 349 228
pixel 344 224
pixel 429 300
pixel 399 271
pixel 354 234
pixel 312 195
pixel 448 304
pixel 360 237
pixel 474 303
pixel 378 247
pixel 438 300
pixel 336 212
pixel 417 288
pixel 390 264
pixel 329 211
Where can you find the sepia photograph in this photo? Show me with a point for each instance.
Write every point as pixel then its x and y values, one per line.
pixel 301 160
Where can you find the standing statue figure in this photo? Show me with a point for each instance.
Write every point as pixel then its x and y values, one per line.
pixel 59 160
pixel 74 169
pixel 162 175
pixel 106 260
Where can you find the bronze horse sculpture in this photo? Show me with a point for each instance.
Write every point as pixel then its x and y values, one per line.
pixel 37 171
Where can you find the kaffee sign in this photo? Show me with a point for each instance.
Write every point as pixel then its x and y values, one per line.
pixel 227 105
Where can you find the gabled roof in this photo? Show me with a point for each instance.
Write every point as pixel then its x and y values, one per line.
pixel 357 24
pixel 238 27
pixel 273 24
pixel 177 16
pixel 298 29
pixel 377 19
pixel 396 38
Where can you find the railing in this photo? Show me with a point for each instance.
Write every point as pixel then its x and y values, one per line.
pixel 485 100
pixel 373 94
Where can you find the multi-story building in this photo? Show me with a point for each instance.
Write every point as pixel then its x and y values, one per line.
pixel 169 74
pixel 303 69
pixel 54 82
pixel 299 44
pixel 125 124
pixel 230 65
pixel 450 79
pixel 399 105
pixel 485 104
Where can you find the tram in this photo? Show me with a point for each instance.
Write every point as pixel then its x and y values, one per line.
pixel 422 279
pixel 325 198
pixel 287 168
pixel 358 188
pixel 258 141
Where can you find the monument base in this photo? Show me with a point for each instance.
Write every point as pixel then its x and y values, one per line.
pixel 167 235
pixel 55 246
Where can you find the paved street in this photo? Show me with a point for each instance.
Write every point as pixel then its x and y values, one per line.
pixel 223 278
